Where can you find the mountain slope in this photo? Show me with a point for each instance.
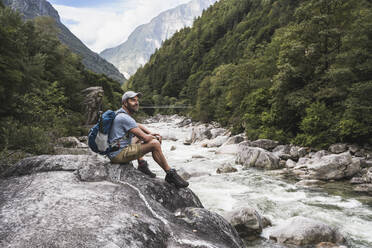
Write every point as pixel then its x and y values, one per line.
pixel 33 8
pixel 146 38
pixel 294 71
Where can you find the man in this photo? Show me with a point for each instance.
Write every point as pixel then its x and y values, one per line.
pixel 124 128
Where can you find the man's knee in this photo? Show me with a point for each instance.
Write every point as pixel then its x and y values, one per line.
pixel 155 143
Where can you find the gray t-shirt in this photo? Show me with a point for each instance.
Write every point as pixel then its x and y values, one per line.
pixel 120 128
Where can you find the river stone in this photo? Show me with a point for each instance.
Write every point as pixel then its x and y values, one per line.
pixel 217 142
pixel 329 245
pixel 85 201
pixel 216 132
pixel 282 151
pixel 168 136
pixel 200 132
pixel 226 168
pixel 338 148
pixel 217 226
pixel 234 140
pixel 309 183
pixel 290 163
pixel 265 144
pixel 228 149
pixel 247 222
pixel 304 231
pixel 184 122
pixel 330 167
pixel 297 152
pixel 256 157
pixel 364 188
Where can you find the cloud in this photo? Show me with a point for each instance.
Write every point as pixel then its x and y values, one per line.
pixel 109 26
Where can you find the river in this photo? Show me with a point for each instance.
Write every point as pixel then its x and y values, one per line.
pixel 272 195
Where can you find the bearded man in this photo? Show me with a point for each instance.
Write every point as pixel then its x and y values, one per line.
pixel 134 140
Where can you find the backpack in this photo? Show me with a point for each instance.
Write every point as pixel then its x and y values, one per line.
pixel 98 134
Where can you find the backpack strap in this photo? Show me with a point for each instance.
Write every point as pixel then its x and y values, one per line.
pixel 116 143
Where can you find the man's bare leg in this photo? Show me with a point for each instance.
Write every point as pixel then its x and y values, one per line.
pixel 157 154
pixel 172 177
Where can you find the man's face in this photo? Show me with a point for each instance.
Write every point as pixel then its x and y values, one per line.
pixel 132 104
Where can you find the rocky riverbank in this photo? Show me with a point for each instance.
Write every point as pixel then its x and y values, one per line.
pixel 78 194
pixel 347 162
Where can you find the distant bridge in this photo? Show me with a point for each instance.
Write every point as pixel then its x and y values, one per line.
pixel 166 107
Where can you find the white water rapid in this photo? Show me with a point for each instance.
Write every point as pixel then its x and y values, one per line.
pixel 271 195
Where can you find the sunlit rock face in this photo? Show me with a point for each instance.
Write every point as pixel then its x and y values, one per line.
pixel 85 201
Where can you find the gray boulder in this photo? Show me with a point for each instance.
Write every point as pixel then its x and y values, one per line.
pixel 282 151
pixel 200 132
pixel 227 149
pixel 265 144
pixel 365 188
pixel 234 140
pixel 226 168
pixel 216 132
pixel 256 157
pixel 330 167
pixel 247 222
pixel 85 201
pixel 217 142
pixel 92 102
pixel 338 148
pixel 304 231
pixel 297 152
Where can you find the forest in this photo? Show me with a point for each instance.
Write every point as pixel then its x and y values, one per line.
pixel 41 83
pixel 292 71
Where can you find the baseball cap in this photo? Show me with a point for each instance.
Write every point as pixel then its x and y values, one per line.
pixel 130 94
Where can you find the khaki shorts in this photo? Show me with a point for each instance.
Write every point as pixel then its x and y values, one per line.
pixel 128 154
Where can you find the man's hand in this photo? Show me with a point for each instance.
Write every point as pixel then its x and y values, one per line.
pixel 157 136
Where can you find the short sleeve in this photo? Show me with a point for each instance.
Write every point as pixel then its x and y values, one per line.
pixel 126 121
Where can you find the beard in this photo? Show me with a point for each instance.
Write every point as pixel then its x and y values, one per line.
pixel 133 108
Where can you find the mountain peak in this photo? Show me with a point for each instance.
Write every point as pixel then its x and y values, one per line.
pixel 146 38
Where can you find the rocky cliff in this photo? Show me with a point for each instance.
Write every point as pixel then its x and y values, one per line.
pixel 84 201
pixel 33 8
pixel 146 38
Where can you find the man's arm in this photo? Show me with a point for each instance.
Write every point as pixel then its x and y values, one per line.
pixel 139 133
pixel 145 130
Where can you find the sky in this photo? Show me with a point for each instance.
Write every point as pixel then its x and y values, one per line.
pixel 102 24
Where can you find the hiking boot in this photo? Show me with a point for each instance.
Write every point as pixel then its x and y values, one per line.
pixel 173 178
pixel 143 167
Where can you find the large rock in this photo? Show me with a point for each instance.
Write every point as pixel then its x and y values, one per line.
pixel 330 167
pixel 304 231
pixel 200 133
pixel 265 144
pixel 338 148
pixel 256 157
pixel 71 145
pixel 217 142
pixel 235 139
pixel 85 201
pixel 226 168
pixel 92 103
pixel 282 151
pixel 227 149
pixel 247 222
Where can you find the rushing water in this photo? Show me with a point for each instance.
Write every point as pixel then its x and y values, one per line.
pixel 270 194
